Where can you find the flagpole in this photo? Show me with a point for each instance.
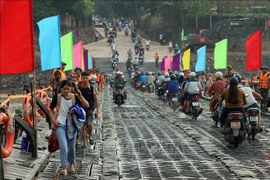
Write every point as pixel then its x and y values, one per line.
pixel 35 151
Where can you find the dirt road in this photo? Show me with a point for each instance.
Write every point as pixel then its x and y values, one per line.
pixel 124 43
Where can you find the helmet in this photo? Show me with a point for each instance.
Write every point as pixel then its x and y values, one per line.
pixel 150 73
pixel 93 78
pixel 218 75
pixel 236 75
pixel 118 72
pixel 166 74
pixel 181 74
pixel 173 76
pixel 159 74
pixel 234 80
pixel 192 74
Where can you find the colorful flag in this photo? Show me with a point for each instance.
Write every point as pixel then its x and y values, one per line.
pixel 82 59
pixel 182 35
pixel 220 54
pixel 168 63
pixel 162 65
pixel 254 51
pixel 67 51
pixel 49 42
pixel 85 60
pixel 16 37
pixel 77 52
pixel 176 62
pixel 201 60
pixel 90 63
pixel 186 60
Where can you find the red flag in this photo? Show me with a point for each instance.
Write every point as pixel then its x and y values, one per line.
pixel 16 37
pixel 254 51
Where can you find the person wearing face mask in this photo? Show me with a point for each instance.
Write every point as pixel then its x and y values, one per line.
pixel 93 82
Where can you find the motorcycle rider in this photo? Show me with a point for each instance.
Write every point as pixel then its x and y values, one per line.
pixel 143 78
pixel 215 90
pixel 147 43
pixel 172 86
pixel 234 98
pixel 136 47
pixel 193 88
pixel 135 63
pixel 170 46
pixel 129 53
pixel 264 86
pixel 151 80
pixel 141 50
pixel 139 39
pixel 176 48
pixel 119 81
pixel 181 78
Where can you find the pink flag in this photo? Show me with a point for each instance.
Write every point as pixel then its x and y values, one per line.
pixel 167 63
pixel 77 52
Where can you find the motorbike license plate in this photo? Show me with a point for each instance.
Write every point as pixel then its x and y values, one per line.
pixel 236 125
pixel 195 103
pixel 174 99
pixel 253 119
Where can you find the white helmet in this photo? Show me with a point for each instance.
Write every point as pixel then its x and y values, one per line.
pixel 93 78
pixel 181 74
pixel 150 73
pixel 166 74
pixel 192 74
pixel 219 75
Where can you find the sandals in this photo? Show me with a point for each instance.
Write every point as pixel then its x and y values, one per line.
pixel 91 142
pixel 63 172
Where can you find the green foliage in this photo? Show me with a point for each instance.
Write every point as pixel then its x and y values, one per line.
pixel 145 16
pixel 76 8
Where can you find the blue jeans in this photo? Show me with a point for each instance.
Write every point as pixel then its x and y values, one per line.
pixel 67 148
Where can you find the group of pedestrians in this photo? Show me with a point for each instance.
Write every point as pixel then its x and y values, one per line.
pixel 73 96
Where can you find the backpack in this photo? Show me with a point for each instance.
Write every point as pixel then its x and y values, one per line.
pixel 92 89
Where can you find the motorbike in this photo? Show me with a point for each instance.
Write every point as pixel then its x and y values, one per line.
pixel 114 65
pixel 174 101
pixel 133 39
pixel 120 28
pixel 193 108
pixel 233 128
pixel 126 32
pixel 141 59
pixel 136 50
pixel 150 88
pixel 147 47
pixel 119 95
pixel 143 87
pixel 252 122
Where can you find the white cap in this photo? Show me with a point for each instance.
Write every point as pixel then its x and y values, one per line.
pixel 192 74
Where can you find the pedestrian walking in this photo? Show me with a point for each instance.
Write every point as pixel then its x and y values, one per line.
pixel 264 86
pixel 67 141
pixel 156 59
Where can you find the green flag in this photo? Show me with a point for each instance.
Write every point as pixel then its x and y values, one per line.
pixel 220 54
pixel 182 35
pixel 67 51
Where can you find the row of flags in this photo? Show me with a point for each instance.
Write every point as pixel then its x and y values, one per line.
pixel 17 47
pixel 55 49
pixel 253 56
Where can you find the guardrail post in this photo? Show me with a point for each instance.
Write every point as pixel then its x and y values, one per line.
pixel 2 176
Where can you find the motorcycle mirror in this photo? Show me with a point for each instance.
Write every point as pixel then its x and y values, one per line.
pixel 247 95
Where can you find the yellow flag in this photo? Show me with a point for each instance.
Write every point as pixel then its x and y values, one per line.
pixel 186 60
pixel 82 59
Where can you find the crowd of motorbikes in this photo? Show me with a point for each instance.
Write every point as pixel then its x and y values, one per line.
pixel 238 124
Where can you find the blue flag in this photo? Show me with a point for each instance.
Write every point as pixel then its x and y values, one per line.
pixel 90 62
pixel 49 42
pixel 201 60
